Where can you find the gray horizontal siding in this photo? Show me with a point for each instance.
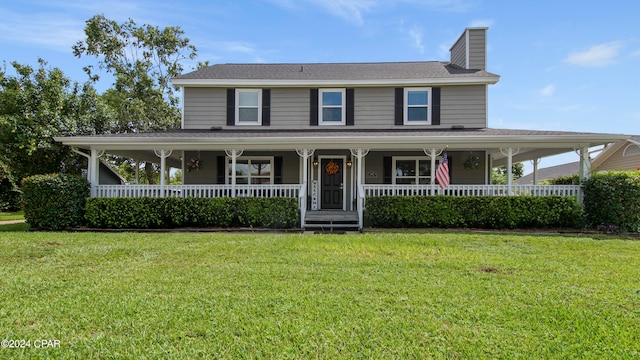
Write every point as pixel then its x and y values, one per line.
pixel 459 52
pixel 204 107
pixel 477 49
pixel 464 105
pixel 374 108
pixel 289 108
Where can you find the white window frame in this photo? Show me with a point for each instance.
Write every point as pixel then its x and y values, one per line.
pixel 249 159
pixel 631 149
pixel 343 107
pixel 407 106
pixel 259 107
pixel 417 176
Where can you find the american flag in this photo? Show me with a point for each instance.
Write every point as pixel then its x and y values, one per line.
pixel 442 173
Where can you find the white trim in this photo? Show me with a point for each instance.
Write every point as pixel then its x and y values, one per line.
pixel 343 107
pixel 636 148
pixel 237 108
pixel 466 50
pixel 344 179
pixel 417 176
pixel 405 108
pixel 271 83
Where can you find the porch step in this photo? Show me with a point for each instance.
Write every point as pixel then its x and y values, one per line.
pixel 331 221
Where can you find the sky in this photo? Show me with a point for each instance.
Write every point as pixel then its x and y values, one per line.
pixel 568 65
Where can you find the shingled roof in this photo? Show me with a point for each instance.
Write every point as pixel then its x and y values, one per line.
pixel 336 71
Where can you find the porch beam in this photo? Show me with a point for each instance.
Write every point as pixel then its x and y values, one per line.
pixel 234 154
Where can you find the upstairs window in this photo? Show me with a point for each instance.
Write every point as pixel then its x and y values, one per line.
pixel 248 107
pixel 331 107
pixel 417 106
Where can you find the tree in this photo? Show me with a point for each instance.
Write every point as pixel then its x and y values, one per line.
pixel 35 106
pixel 142 59
pixel 499 174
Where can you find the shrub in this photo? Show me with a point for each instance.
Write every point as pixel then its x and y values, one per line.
pixel 10 196
pixel 474 212
pixel 152 213
pixel 563 180
pixel 612 200
pixel 54 202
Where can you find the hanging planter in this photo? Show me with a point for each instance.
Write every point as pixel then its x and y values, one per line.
pixel 472 162
pixel 332 168
pixel 194 164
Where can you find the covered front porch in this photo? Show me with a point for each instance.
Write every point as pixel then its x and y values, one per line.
pixel 330 170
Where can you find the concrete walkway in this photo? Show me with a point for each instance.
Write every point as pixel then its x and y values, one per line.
pixel 8 222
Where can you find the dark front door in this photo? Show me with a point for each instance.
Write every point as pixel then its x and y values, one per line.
pixel 331 183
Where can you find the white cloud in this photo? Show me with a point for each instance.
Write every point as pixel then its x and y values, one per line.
pixel 596 56
pixel 548 90
pixel 416 35
pixel 350 10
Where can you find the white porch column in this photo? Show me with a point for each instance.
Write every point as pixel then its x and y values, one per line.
pixel 233 154
pixel 433 153
pixel 585 164
pixel 509 153
pixel 535 163
pixel 163 155
pixel 305 154
pixel 359 154
pixel 93 170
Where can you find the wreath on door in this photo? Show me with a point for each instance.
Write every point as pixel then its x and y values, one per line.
pixel 332 168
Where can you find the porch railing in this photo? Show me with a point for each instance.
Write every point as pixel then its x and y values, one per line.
pixel 203 191
pixel 472 190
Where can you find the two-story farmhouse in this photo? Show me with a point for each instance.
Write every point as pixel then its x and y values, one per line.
pixel 332 134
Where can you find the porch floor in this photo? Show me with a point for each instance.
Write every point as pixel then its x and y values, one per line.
pixel 330 220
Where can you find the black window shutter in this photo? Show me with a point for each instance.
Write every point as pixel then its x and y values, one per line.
pixel 350 107
pixel 231 107
pixel 399 106
pixel 313 109
pixel 221 166
pixel 266 107
pixel 435 107
pixel 387 163
pixel 277 174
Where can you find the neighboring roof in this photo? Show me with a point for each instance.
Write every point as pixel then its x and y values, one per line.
pixel 610 150
pixel 382 73
pixel 551 172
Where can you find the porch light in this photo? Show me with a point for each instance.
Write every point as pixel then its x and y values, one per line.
pixel 315 162
pixel 349 162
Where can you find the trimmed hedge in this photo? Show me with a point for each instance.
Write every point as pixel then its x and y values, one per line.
pixel 507 212
pixel 55 201
pixel 612 201
pixel 156 213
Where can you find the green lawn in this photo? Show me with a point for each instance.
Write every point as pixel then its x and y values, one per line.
pixel 18 215
pixel 377 295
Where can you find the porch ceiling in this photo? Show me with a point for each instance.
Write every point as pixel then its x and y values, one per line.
pixel 532 144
